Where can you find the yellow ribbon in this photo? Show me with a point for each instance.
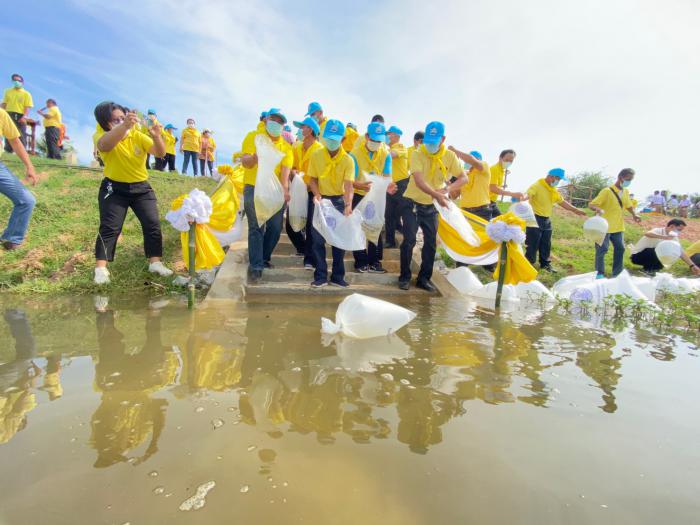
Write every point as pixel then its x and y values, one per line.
pixel 332 163
pixel 436 159
pixel 208 251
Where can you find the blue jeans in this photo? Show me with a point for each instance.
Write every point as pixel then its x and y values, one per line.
pixel 190 155
pixel 618 242
pixel 23 201
pixel 319 250
pixel 261 240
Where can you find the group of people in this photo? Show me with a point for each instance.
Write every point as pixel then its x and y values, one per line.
pixel 679 205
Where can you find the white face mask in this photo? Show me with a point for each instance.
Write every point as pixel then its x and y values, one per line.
pixel 507 164
pixel 372 145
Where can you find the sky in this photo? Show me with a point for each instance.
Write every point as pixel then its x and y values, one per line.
pixel 585 85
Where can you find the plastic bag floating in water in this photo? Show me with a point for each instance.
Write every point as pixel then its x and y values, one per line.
pixel 464 280
pixel 363 317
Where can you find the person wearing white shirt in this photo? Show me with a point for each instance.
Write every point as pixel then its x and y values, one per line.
pixel 644 252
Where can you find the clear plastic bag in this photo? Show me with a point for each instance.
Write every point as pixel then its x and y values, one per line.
pixel 269 195
pixel 453 216
pixel 489 292
pixel 595 229
pixel 464 280
pixel 372 207
pixel 525 212
pixel 363 317
pixel 668 252
pixel 533 291
pixel 298 203
pixel 337 229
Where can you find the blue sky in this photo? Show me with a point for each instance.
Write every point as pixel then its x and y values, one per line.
pixel 581 85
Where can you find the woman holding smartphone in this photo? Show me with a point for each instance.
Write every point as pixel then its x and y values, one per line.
pixel 123 149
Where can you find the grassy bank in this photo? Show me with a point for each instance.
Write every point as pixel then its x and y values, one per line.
pixel 58 255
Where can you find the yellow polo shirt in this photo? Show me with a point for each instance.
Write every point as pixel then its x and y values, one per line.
pixel 399 164
pixel 543 197
pixel 693 249
pixel 365 164
pixel 126 162
pixel 53 119
pixel 248 148
pixel 411 150
pixel 475 192
pixel 302 156
pixel 436 169
pixel 498 177
pixel 191 140
pixel 7 126
pixel 322 126
pixel 169 140
pixel 331 172
pixel 17 100
pixel 606 201
pixel 349 139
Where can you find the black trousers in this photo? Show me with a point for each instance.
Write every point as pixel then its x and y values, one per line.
pixel 203 163
pixel 425 217
pixel 21 127
pixel 373 254
pixel 539 240
pixel 115 198
pixel 696 259
pixel 392 215
pixel 495 210
pixel 481 211
pixel 52 134
pixel 647 259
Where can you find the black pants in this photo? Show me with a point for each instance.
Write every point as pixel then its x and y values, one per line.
pixel 539 240
pixel 495 210
pixel 52 134
pixel 319 249
pixel 696 259
pixel 647 259
pixel 373 254
pixel 115 198
pixel 169 161
pixel 392 215
pixel 22 130
pixel 483 212
pixel 414 216
pixel 148 161
pixel 203 163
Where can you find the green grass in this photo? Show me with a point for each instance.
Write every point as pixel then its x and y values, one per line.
pixel 58 255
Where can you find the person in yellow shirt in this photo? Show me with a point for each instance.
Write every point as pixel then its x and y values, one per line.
pixel 190 145
pixel 399 174
pixel 474 196
pixel 693 253
pixel 432 167
pixel 610 203
pixel 123 150
pixel 303 149
pixel 263 239
pixel 417 142
pixel 315 111
pixel 17 101
pixel 499 174
pixel 207 153
pixel 543 196
pixel 331 174
pixel 351 136
pixel 168 159
pixel 10 186
pixel 52 128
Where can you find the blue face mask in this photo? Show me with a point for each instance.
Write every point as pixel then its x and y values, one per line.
pixel 432 148
pixel 273 128
pixel 467 166
pixel 554 183
pixel 626 183
pixel 331 145
pixel 17 83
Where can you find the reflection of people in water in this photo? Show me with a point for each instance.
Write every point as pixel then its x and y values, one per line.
pixel 127 414
pixel 602 367
pixel 422 411
pixel 17 378
pixel 52 377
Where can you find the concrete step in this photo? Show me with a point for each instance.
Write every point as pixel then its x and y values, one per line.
pixel 300 275
pixel 292 261
pixel 264 288
pixel 285 247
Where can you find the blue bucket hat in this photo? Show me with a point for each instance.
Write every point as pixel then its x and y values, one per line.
pixel 170 126
pixel 308 121
pixel 434 132
pixel 475 154
pixel 394 129
pixel 313 108
pixel 376 132
pixel 557 172
pixel 335 130
pixel 278 112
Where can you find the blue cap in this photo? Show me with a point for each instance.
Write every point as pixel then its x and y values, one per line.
pixel 475 154
pixel 434 132
pixel 394 129
pixel 150 112
pixel 335 130
pixel 170 126
pixel 557 172
pixel 287 127
pixel 278 112
pixel 313 108
pixel 376 131
pixel 263 114
pixel 308 121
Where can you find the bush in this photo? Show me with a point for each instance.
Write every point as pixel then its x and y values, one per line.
pixel 584 186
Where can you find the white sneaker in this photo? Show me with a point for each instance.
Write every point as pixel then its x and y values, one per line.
pixel 101 275
pixel 159 268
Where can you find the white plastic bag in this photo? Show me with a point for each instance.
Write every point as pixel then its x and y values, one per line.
pixel 464 280
pixel 533 291
pixel 489 292
pixel 668 252
pixel 269 195
pixel 453 216
pixel 595 229
pixel 564 286
pixel 298 203
pixel 596 291
pixel 525 212
pixel 363 317
pixel 372 207
pixel 233 234
pixel 667 283
pixel 647 286
pixel 338 230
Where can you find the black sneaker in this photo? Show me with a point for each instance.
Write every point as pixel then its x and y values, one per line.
pixel 268 265
pixel 361 269
pixel 340 284
pixel 649 273
pixel 376 268
pixel 425 285
pixel 319 283
pixel 255 276
pixel 404 285
pixel 548 268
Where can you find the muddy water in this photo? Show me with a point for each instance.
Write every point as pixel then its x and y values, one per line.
pixel 145 414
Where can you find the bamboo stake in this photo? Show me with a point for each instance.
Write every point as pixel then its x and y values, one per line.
pixel 501 273
pixel 192 255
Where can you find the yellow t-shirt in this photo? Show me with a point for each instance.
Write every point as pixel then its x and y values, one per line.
pixel 169 140
pixel 693 249
pixel 211 148
pixel 411 150
pixel 365 164
pixel 7 126
pixel 606 201
pixel 248 148
pixel 498 177
pixel 191 140
pixel 331 172
pixel 399 164
pixel 475 192
pixel 543 197
pixel 54 118
pixel 322 126
pixel 126 162
pixel 301 157
pixel 436 170
pixel 349 139
pixel 17 100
